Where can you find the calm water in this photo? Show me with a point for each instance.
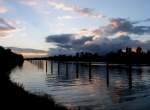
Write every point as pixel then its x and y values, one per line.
pixel 78 86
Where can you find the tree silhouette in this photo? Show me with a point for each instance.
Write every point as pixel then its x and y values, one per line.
pixel 128 56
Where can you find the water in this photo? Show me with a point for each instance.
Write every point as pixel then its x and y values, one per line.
pixel 82 87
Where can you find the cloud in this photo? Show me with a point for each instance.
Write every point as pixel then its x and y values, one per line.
pixel 28 52
pixel 105 45
pixel 99 40
pixel 63 38
pixel 44 6
pixel 71 8
pixel 101 45
pixel 6 27
pixel 30 2
pixel 3 9
pixel 67 17
pixel 145 20
pixel 67 42
pixel 9 27
pixel 40 6
pixel 120 27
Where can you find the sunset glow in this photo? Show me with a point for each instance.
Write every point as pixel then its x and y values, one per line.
pixel 27 54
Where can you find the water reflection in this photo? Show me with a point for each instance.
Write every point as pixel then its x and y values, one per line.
pixel 129 71
pixel 38 63
pixel 87 85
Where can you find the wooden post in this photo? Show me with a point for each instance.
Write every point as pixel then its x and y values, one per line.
pixel 51 66
pixel 66 69
pixel 130 76
pixel 90 76
pixel 46 67
pixel 77 69
pixel 58 67
pixel 107 74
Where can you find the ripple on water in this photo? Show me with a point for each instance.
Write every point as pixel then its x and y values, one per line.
pixel 98 89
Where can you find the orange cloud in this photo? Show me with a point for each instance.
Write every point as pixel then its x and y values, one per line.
pixel 121 33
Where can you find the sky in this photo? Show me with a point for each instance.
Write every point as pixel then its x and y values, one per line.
pixel 69 26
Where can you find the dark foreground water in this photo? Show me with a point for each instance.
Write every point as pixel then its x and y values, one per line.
pixel 82 87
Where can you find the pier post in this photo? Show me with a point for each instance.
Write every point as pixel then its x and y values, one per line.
pixel 52 66
pixel 90 76
pixel 77 69
pixel 130 76
pixel 46 66
pixel 66 69
pixel 107 74
pixel 58 67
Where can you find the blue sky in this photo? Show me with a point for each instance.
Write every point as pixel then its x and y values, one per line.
pixel 35 20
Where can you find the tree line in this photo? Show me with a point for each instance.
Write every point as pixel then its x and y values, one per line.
pixel 127 55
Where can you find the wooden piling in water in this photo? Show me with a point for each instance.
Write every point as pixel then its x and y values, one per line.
pixel 46 66
pixel 90 76
pixel 58 67
pixel 107 74
pixel 66 68
pixel 77 69
pixel 51 66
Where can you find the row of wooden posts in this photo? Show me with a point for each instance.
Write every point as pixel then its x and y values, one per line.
pixel 90 71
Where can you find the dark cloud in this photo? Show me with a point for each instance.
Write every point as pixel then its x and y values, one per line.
pixel 67 43
pixel 122 26
pixel 106 44
pixel 101 41
pixel 102 46
pixel 145 20
pixel 62 38
pixel 68 40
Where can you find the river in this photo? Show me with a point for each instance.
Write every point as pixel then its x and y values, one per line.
pixel 87 86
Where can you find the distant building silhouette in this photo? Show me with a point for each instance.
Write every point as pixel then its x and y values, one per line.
pixel 139 50
pixel 128 50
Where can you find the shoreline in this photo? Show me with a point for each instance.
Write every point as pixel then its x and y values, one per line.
pixel 13 95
